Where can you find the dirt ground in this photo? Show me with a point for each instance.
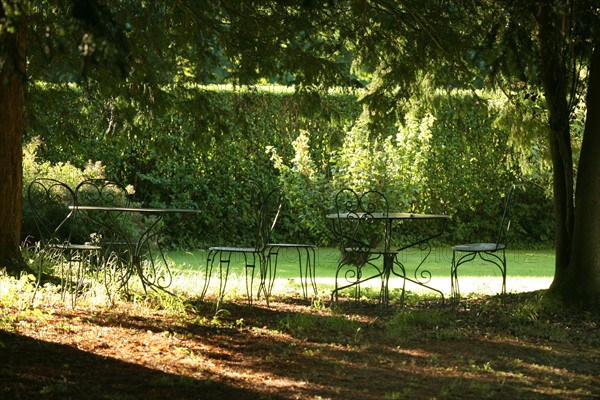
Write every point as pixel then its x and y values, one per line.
pixel 259 352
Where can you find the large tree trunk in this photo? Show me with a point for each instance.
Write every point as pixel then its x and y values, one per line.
pixel 554 79
pixel 12 100
pixel 577 274
pixel 579 284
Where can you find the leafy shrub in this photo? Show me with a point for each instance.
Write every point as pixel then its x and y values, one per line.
pixel 213 148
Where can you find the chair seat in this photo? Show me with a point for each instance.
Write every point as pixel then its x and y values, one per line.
pixel 292 245
pixel 104 245
pixel 371 250
pixel 479 247
pixel 71 246
pixel 234 249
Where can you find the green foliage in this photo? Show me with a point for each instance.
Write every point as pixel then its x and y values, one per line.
pixel 214 148
pixel 221 160
pixel 15 292
pixel 314 327
pixel 531 315
pixel 451 154
pixel 423 323
pixel 65 172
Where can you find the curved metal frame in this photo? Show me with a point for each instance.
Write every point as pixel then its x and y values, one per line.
pixel 422 277
pixel 56 237
pixel 359 243
pixel 488 252
pixel 305 253
pixel 269 213
pixel 363 243
pixel 116 256
pixel 223 256
pixel 306 266
pixel 488 256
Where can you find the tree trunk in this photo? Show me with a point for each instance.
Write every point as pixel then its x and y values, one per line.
pixel 577 274
pixel 12 101
pixel 554 79
pixel 580 282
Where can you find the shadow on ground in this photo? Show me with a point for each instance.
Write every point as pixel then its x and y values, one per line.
pixel 26 373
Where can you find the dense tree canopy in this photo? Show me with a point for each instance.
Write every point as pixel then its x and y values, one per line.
pixel 541 46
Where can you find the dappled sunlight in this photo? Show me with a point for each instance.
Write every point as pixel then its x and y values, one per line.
pixel 294 348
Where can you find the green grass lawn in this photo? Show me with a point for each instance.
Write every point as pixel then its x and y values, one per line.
pixel 527 269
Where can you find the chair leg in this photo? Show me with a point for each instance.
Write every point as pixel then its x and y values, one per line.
pixel 207 273
pixel 303 272
pixel 454 292
pixel 312 269
pixel 223 276
pixel 357 291
pixel 72 278
pixel 401 274
pixel 305 269
pixel 308 277
pixel 269 272
pixel 223 258
pixel 249 278
pixel 336 288
pixel 503 261
pixel 250 269
pixel 41 255
pixel 498 261
pixel 384 297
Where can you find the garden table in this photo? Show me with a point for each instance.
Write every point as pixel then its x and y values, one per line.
pixel 138 247
pixel 391 222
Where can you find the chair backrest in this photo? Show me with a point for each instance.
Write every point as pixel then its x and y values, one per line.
pixel 270 210
pixel 505 221
pixel 355 223
pixel 48 201
pixel 104 193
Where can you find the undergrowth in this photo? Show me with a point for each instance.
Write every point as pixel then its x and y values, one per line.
pixel 520 315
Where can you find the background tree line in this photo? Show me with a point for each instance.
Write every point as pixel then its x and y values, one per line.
pixel 450 154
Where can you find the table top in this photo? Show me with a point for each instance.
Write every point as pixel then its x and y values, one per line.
pixel 390 215
pixel 136 209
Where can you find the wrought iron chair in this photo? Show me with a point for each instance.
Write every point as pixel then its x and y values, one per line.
pixel 61 241
pixel 253 256
pixel 111 230
pixel 493 252
pixel 364 241
pixel 304 252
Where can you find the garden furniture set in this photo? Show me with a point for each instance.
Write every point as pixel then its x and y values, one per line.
pixel 88 229
pixel 262 255
pixel 368 232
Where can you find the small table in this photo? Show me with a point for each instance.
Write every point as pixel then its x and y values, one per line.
pixel 136 247
pixel 390 252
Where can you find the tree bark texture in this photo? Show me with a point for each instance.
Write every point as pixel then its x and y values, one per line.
pixel 555 78
pixel 577 273
pixel 580 283
pixel 12 101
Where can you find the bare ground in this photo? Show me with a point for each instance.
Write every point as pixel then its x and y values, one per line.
pixel 292 350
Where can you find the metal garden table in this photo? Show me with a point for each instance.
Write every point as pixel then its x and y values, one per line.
pixel 136 249
pixel 391 222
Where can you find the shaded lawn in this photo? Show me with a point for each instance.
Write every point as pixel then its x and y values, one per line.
pixel 294 351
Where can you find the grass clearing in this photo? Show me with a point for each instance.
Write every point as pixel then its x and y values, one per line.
pixel 528 270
